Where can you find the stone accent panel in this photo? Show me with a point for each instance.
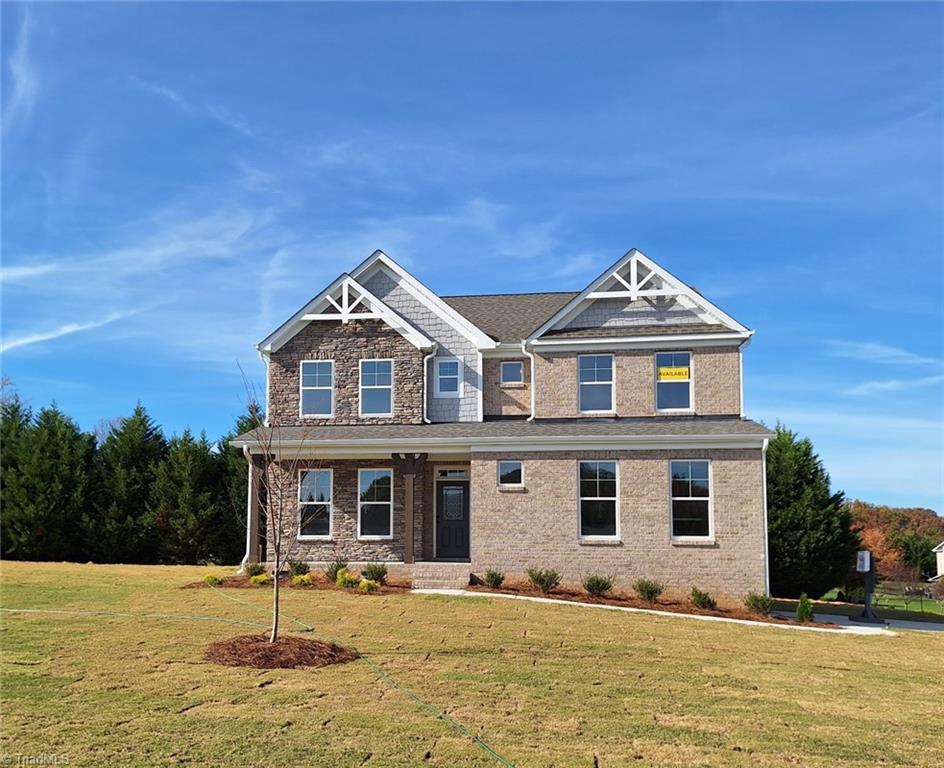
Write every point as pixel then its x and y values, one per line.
pixel 716 387
pixel 539 527
pixel 347 344
pixel 507 399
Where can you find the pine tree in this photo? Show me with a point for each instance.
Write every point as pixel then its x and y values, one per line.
pixel 120 529
pixel 15 422
pixel 811 541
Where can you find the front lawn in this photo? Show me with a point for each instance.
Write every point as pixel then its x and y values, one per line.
pixel 542 685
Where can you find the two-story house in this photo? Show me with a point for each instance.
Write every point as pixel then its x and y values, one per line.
pixel 599 431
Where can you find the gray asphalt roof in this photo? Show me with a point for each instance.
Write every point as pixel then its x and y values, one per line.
pixel 637 330
pixel 509 317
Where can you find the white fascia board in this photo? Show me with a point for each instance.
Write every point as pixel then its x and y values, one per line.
pixel 504 350
pixel 288 329
pixel 675 341
pixel 378 260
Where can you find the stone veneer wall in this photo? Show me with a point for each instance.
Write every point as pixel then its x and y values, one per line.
pixel 508 399
pixel 347 344
pixel 538 527
pixel 716 371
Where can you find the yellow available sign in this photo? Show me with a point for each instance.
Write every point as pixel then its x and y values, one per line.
pixel 674 373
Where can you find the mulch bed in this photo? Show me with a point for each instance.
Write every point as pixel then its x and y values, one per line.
pixel 288 652
pixel 393 586
pixel 629 601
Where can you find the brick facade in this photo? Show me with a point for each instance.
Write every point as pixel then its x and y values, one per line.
pixel 508 399
pixel 716 375
pixel 346 344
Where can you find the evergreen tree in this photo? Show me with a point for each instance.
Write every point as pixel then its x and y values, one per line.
pixel 15 422
pixel 235 477
pixel 120 529
pixel 46 496
pixel 811 541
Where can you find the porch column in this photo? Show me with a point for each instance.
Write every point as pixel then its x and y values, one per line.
pixel 408 464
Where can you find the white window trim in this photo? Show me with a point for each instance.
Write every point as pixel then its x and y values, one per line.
pixel 520 463
pixel 691 380
pixel 360 536
pixel 617 535
pixel 501 377
pixel 612 409
pixel 302 388
pixel 711 505
pixel 437 392
pixel 329 504
pixel 361 387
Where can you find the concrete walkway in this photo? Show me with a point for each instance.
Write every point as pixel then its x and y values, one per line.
pixel 845 621
pixel 845 627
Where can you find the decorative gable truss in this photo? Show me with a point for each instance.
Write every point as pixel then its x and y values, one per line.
pixel 343 301
pixel 632 299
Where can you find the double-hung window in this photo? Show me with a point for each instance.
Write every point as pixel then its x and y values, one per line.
pixel 448 378
pixel 512 372
pixel 673 381
pixel 598 500
pixel 595 374
pixel 376 388
pixel 317 388
pixel 314 504
pixel 691 499
pixel 374 504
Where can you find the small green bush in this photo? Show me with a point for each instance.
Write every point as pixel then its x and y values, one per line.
pixel 493 579
pixel 804 608
pixel 597 585
pixel 545 579
pixel 302 580
pixel 375 572
pixel 703 600
pixel 346 579
pixel 758 603
pixel 297 567
pixel 261 578
pixel 213 580
pixel 336 565
pixel 368 585
pixel 254 569
pixel 648 589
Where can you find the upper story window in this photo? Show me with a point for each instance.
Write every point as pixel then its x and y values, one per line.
pixel 512 372
pixel 448 378
pixel 317 388
pixel 314 504
pixel 598 499
pixel 673 381
pixel 691 499
pixel 376 388
pixel 595 376
pixel 375 504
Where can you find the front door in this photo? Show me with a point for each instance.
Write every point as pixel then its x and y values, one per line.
pixel 452 520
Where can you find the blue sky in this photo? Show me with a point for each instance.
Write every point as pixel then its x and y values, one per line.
pixel 178 178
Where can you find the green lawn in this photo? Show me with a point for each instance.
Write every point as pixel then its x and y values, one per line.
pixel 542 685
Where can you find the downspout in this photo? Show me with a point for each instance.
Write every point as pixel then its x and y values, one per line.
pixel 530 356
pixel 426 359
pixel 763 457
pixel 248 456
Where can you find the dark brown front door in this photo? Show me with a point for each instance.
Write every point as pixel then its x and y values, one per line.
pixel 452 520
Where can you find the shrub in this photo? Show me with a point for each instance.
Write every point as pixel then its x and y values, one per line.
pixel 375 572
pixel 545 579
pixel 758 603
pixel 703 600
pixel 493 579
pixel 302 580
pixel 804 608
pixel 297 567
pixel 334 567
pixel 213 580
pixel 368 585
pixel 598 585
pixel 346 579
pixel 648 589
pixel 260 578
pixel 254 569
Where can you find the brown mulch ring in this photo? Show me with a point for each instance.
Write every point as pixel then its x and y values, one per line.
pixel 288 652
pixel 393 586
pixel 622 599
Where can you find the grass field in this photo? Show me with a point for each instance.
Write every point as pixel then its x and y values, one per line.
pixel 542 685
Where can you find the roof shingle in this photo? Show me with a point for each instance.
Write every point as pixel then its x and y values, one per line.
pixel 509 317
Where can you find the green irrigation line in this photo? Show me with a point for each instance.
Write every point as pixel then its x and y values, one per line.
pixel 385 676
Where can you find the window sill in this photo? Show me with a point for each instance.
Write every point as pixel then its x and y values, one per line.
pixel 327 539
pixel 512 385
pixel 706 542
pixel 593 542
pixel 375 538
pixel 610 414
pixel 453 396
pixel 512 489
pixel 324 416
pixel 675 412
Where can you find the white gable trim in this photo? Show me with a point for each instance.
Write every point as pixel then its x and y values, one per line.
pixel 640 288
pixel 338 303
pixel 379 260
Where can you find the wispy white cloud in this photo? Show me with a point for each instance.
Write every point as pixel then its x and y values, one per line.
pixel 25 272
pixel 224 116
pixel 892 385
pixel 159 90
pixel 24 81
pixel 215 112
pixel 874 352
pixel 39 337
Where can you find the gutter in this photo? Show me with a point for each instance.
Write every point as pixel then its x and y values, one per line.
pixel 434 349
pixel 530 356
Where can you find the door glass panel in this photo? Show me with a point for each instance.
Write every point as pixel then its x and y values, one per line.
pixel 452 504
